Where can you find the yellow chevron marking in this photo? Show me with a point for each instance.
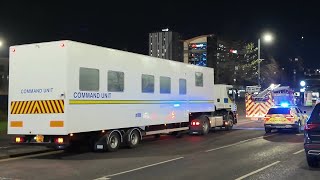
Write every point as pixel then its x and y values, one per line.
pixel 54 106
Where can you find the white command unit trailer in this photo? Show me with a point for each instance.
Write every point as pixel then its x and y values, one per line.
pixel 65 92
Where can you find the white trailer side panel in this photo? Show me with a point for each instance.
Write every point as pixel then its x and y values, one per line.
pixel 98 110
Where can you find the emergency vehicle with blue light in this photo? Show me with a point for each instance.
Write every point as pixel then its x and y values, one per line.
pixel 259 102
pixel 284 116
pixel 65 92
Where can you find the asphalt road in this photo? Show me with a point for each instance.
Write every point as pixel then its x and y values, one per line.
pixel 243 153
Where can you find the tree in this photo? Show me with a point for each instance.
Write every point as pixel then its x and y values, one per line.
pixel 270 72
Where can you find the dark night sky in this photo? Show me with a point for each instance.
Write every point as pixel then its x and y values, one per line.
pixel 125 25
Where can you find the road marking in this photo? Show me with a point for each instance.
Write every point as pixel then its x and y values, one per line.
pixel 258 170
pixel 136 169
pixel 240 142
pixel 31 156
pixel 5 147
pixel 248 128
pixel 4 178
pixel 299 151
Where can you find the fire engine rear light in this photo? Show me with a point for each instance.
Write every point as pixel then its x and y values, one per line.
pixel 59 140
pixel 311 126
pixel 19 139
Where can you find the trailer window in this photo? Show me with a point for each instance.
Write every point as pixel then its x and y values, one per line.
pixel 199 79
pixel 165 85
pixel 182 86
pixel 89 79
pixel 147 84
pixel 115 81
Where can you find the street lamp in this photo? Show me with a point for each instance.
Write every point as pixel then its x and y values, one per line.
pixel 267 37
pixel 1 43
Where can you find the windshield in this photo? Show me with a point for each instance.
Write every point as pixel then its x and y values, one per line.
pixel 315 116
pixel 279 111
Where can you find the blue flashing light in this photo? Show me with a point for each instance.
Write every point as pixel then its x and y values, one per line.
pixel 176 105
pixel 284 104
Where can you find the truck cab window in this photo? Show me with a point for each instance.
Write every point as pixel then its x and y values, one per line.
pixel 232 93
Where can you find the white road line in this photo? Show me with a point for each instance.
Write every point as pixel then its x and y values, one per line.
pixel 258 170
pixel 4 178
pixel 30 156
pixel 299 151
pixel 136 169
pixel 237 143
pixel 5 147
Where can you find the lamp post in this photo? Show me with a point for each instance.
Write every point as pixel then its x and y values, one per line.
pixel 259 60
pixel 267 38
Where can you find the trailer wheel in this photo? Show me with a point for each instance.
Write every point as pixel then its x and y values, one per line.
pixel 113 142
pixel 133 139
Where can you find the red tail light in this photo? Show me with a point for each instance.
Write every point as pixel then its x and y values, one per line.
pixel 311 126
pixel 195 123
pixel 19 140
pixel 58 140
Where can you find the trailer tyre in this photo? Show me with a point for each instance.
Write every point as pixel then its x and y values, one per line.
pixel 133 139
pixel 113 142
